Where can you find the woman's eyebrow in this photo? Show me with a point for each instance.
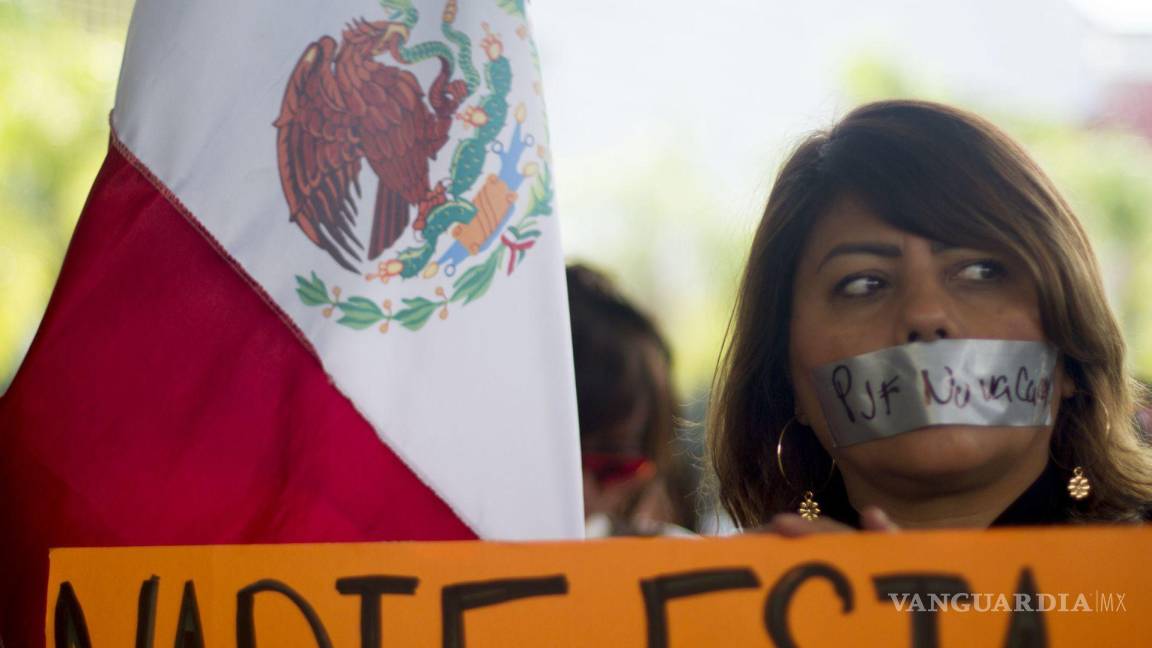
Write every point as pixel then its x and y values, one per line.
pixel 886 250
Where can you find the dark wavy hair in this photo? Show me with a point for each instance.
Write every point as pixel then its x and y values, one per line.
pixel 623 365
pixel 950 176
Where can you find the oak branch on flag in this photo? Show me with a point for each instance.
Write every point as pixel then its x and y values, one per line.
pixel 218 363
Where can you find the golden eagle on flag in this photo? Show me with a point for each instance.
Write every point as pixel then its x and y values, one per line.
pixel 343 106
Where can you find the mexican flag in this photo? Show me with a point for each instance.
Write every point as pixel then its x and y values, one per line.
pixel 316 294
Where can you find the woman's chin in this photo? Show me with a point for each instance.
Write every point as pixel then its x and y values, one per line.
pixel 943 456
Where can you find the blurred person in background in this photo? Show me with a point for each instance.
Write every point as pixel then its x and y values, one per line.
pixel 636 482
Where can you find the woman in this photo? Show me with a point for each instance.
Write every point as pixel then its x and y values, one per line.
pixel 634 482
pixel 907 223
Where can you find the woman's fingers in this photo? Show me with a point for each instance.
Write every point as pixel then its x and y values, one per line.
pixel 872 518
pixel 791 525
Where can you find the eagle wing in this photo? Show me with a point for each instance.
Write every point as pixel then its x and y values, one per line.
pixel 393 130
pixel 319 153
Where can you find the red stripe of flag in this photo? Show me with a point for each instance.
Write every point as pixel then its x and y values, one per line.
pixel 165 400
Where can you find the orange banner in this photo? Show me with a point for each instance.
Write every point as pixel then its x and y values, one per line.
pixel 1058 587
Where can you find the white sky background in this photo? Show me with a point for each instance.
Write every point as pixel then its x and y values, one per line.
pixel 734 82
pixel 1119 15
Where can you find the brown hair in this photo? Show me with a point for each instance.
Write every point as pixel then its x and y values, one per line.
pixel 623 365
pixel 948 176
pixel 613 344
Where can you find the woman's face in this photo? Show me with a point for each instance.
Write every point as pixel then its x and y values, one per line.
pixel 863 285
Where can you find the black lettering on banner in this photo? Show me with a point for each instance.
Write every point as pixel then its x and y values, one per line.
pixel 370 589
pixel 189 632
pixel 1028 393
pixel 887 388
pixel 658 591
pixel 871 399
pixel 925 630
pixel 776 605
pixel 997 388
pixel 245 612
pixel 458 598
pixel 68 620
pixel 930 394
pixel 1045 390
pixel 963 396
pixel 146 612
pixel 839 375
pixel 1027 628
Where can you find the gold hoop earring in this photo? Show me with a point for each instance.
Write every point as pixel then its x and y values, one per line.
pixel 809 507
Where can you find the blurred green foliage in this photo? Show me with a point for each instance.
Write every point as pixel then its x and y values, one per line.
pixel 57 81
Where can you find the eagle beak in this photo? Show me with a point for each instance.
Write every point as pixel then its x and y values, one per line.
pixel 390 41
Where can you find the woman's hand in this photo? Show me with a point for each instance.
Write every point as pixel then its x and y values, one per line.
pixel 791 525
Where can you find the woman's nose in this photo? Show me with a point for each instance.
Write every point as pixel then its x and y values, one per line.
pixel 925 313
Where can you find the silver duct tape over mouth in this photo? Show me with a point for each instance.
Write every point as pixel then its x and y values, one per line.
pixel 947 382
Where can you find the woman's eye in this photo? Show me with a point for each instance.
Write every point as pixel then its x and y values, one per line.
pixel 858 286
pixel 981 271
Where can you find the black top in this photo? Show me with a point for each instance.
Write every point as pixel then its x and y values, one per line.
pixel 1046 501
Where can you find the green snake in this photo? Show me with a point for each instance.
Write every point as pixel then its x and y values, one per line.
pixel 406 14
pixel 468 159
pixel 453 211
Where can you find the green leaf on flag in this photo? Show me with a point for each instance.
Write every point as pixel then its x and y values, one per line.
pixel 312 293
pixel 513 7
pixel 416 312
pixel 541 204
pixel 474 283
pixel 359 313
